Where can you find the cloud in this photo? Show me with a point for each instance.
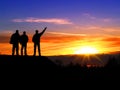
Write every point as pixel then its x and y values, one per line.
pixel 6 32
pixel 106 20
pixel 97 29
pixel 89 15
pixel 40 20
pixel 111 39
pixel 66 34
pixel 56 37
pixel 5 36
pixel 4 39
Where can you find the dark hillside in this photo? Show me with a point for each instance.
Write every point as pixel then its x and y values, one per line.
pixel 32 69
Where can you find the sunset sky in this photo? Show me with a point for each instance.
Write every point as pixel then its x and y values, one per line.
pixel 72 24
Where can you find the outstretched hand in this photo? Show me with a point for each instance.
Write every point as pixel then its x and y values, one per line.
pixel 45 28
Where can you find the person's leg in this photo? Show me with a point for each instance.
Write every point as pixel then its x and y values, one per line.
pixel 22 50
pixel 17 49
pixel 25 49
pixel 39 50
pixel 13 49
pixel 34 49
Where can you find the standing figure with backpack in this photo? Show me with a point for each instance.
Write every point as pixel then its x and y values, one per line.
pixel 14 40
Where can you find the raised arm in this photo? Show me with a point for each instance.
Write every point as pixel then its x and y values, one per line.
pixel 43 30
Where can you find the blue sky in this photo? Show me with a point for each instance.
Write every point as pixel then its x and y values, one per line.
pixel 79 12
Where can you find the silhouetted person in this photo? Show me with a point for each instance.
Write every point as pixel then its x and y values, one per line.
pixel 36 40
pixel 23 42
pixel 14 40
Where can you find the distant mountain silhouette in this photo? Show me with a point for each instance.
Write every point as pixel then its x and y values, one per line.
pixel 115 52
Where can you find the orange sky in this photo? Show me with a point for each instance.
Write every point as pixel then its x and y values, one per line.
pixel 78 23
pixel 54 43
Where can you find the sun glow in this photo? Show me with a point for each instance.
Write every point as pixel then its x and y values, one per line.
pixel 86 50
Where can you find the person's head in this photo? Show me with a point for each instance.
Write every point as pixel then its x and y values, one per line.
pixel 17 31
pixel 36 31
pixel 24 33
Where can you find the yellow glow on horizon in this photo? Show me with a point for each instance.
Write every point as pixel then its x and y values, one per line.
pixel 52 48
pixel 55 49
pixel 87 50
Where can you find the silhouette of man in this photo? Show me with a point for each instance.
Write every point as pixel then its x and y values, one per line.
pixel 14 40
pixel 36 40
pixel 23 42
